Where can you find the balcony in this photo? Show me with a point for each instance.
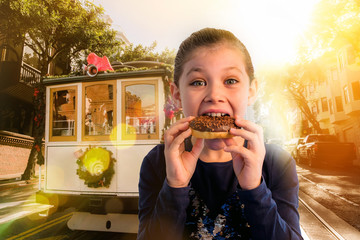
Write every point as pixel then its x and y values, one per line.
pixel 29 75
pixel 352 108
pixel 338 117
pixel 323 116
pixel 18 81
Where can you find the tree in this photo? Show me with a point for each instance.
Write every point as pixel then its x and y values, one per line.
pixel 275 105
pixel 334 24
pixel 51 28
pixel 142 53
pixel 284 87
pixel 296 79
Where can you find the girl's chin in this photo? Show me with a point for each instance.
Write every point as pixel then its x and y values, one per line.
pixel 215 144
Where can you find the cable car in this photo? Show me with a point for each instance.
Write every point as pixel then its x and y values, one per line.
pixel 98 129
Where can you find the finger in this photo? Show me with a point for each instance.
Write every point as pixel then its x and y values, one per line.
pixel 187 119
pixel 238 163
pixel 197 147
pixel 252 138
pixel 229 141
pixel 182 123
pixel 243 133
pixel 242 151
pixel 174 131
pixel 249 126
pixel 255 139
pixel 180 139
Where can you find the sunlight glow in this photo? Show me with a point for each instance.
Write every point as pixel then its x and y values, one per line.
pixel 270 29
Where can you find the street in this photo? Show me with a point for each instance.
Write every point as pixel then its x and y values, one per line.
pixel 334 189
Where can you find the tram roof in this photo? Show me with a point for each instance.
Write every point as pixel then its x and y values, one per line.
pixel 107 76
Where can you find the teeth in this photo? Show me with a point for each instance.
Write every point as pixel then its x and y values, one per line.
pixel 215 114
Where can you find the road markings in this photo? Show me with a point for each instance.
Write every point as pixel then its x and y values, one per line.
pixel 331 192
pixel 41 227
pixel 27 209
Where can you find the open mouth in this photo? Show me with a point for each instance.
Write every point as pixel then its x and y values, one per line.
pixel 215 114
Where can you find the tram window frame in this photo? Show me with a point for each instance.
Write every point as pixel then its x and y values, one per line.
pixel 63 138
pixel 149 136
pixel 107 137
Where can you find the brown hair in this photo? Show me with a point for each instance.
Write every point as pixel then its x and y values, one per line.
pixel 208 37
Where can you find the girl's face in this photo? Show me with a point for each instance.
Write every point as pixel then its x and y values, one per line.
pixel 214 81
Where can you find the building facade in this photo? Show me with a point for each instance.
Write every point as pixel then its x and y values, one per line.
pixel 336 100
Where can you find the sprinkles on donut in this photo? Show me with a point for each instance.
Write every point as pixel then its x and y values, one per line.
pixel 211 127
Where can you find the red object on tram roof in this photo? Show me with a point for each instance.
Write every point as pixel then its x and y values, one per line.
pixel 102 63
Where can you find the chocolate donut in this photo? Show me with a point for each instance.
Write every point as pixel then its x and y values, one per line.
pixel 210 127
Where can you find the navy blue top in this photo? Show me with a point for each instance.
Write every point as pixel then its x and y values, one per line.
pixel 214 206
pixel 214 182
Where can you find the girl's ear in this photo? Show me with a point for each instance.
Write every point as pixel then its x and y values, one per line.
pixel 175 93
pixel 253 90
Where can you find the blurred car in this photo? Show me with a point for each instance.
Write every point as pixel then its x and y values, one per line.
pixel 292 145
pixel 299 144
pixel 326 149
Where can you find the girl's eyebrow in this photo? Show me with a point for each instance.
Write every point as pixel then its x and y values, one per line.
pixel 234 68
pixel 194 69
pixel 199 69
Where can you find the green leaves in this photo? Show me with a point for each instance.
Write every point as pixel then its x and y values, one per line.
pixel 143 53
pixel 51 27
pixel 335 24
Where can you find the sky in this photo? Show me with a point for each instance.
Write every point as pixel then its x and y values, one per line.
pixel 269 29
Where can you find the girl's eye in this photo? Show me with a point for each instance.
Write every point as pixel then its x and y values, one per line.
pixel 231 81
pixel 198 83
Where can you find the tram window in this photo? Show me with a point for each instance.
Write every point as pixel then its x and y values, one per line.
pixel 63 117
pixel 140 111
pixel 99 111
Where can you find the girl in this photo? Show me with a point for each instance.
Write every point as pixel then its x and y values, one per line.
pixel 236 188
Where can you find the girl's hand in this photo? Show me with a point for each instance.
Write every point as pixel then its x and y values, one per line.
pixel 180 164
pixel 247 162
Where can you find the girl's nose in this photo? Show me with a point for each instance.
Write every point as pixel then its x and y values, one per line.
pixel 214 93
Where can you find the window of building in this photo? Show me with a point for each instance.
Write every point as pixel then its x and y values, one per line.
pixel 317 106
pixel 342 60
pixel 139 116
pixel 339 104
pixel 346 94
pixel 356 90
pixel 99 114
pixel 350 52
pixel 311 89
pixel 63 113
pixel 324 104
pixel 346 57
pixel 334 74
pixel 331 107
pixel 30 57
pixel 314 110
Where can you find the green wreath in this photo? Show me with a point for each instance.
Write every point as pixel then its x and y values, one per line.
pixel 96 167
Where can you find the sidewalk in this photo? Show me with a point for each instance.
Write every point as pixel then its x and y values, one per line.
pixel 16 182
pixel 18 199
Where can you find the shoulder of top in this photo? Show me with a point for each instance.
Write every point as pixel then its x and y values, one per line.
pixel 275 152
pixel 156 153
